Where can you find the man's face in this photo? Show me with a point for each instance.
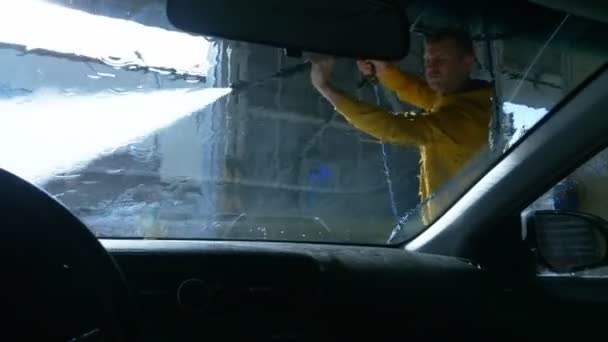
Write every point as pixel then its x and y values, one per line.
pixel 447 67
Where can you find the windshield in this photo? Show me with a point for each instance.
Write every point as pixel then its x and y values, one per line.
pixel 144 131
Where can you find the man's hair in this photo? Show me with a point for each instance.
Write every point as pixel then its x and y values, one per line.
pixel 462 39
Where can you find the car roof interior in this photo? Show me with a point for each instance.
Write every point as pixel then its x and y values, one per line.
pixel 469 275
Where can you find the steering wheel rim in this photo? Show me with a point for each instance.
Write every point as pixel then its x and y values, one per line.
pixel 61 283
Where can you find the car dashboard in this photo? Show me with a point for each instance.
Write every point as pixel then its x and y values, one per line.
pixel 235 291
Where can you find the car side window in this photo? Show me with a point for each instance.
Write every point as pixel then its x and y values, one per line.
pixel 567 227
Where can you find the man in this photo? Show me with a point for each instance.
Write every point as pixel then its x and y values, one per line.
pixel 457 109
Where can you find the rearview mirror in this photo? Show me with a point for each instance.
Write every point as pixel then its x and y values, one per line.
pixel 567 242
pixel 348 28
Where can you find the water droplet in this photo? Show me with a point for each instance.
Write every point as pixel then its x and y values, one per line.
pixel 114 172
pixel 160 71
pixel 69 176
pixel 106 74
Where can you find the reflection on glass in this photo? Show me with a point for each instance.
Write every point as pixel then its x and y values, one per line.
pixel 537 70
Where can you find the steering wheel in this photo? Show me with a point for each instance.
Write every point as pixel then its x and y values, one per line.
pixel 58 282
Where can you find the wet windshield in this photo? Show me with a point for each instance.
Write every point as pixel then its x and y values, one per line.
pixel 147 132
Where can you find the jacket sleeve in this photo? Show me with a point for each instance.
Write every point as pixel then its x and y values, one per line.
pixel 409 129
pixel 408 88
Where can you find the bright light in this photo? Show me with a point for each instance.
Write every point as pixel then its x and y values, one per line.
pixel 524 118
pixel 48 133
pixel 36 24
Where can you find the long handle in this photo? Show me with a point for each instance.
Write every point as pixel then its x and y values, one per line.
pixel 240 86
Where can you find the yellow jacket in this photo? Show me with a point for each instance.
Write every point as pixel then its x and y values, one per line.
pixel 449 133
